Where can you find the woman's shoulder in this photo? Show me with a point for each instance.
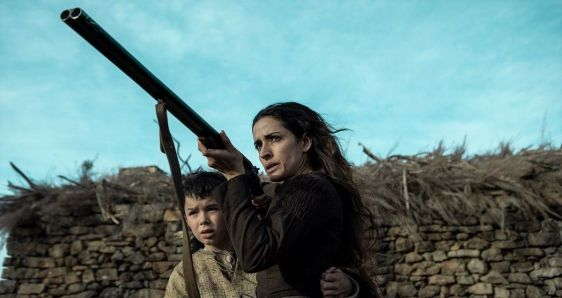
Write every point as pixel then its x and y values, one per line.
pixel 315 182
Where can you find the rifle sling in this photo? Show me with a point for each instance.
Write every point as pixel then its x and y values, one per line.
pixel 167 147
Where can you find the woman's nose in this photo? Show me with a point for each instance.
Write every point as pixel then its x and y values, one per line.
pixel 265 152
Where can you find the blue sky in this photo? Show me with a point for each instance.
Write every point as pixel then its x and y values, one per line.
pixel 401 75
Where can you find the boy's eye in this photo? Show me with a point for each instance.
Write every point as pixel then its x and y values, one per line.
pixel 191 213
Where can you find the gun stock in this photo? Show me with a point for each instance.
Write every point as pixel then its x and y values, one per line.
pixel 85 26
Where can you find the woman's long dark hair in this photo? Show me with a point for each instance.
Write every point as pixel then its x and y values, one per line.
pixel 326 156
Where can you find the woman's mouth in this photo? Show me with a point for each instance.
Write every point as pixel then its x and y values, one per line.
pixel 272 167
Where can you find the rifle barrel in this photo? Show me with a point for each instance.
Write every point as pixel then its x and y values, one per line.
pixel 86 27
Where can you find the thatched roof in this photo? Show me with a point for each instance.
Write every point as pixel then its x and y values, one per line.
pixel 400 190
pixel 425 187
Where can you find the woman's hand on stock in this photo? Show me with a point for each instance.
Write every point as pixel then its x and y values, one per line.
pixel 228 161
pixel 335 284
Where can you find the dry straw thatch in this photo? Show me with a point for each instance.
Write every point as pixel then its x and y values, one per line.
pixel 420 189
pixel 400 190
pixel 142 185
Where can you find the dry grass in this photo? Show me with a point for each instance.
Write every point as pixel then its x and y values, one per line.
pixel 414 190
pixel 38 200
pixel 400 190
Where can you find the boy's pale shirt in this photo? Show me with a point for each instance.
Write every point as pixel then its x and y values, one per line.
pixel 218 275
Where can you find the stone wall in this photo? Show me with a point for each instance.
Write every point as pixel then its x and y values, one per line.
pixel 81 254
pixel 471 260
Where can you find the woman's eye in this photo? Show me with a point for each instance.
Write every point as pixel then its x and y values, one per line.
pixel 258 147
pixel 275 138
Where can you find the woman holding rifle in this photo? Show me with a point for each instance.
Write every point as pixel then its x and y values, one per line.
pixel 314 219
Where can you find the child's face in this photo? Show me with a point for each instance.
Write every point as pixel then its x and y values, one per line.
pixel 204 218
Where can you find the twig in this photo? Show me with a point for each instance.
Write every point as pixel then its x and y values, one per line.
pixel 369 153
pixel 27 179
pixel 71 181
pixel 405 184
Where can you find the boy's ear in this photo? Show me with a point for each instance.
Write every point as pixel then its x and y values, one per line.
pixel 306 143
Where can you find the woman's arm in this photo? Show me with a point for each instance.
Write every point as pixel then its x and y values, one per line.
pixel 299 208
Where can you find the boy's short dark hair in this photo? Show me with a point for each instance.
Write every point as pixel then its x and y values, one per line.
pixel 199 185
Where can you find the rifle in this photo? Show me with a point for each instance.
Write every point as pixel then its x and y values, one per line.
pixel 167 100
pixel 86 27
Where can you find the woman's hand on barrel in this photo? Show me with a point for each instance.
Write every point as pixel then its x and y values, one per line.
pixel 228 161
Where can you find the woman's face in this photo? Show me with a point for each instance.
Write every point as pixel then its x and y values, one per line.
pixel 281 153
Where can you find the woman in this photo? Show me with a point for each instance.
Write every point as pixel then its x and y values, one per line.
pixel 315 216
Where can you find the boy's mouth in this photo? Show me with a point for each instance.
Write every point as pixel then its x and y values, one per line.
pixel 207 233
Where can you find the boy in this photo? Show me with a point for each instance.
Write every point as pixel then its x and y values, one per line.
pixel 216 267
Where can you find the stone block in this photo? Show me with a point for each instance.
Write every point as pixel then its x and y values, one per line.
pixel 429 291
pixel 546 273
pixel 147 293
pixel 451 267
pixel 158 284
pixel 165 248
pixel 107 229
pixel 30 289
pixel 7 286
pixel 553 284
pixel 465 280
pixel 544 239
pixel 424 246
pixel 136 258
pixel 75 288
pixel 523 267
pixel 71 278
pixel 555 262
pixel 534 292
pixel 157 256
pixel 58 250
pixel 111 292
pixel 106 274
pixel 54 272
pixel 501 267
pixel 76 247
pixel 501 292
pixel 477 266
pixel 464 253
pixel 492 254
pixel 520 278
pixel 403 269
pixel 462 236
pixel 517 293
pixel 413 257
pixel 439 256
pixel 494 277
pixel 441 280
pixel 476 243
pixel 508 244
pixel 171 215
pixel 36 262
pixel 79 230
pixel 404 245
pixel 88 276
pixel 152 213
pixel 481 288
pixel 161 267
pixel 443 245
pixel 531 251
pixel 457 291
